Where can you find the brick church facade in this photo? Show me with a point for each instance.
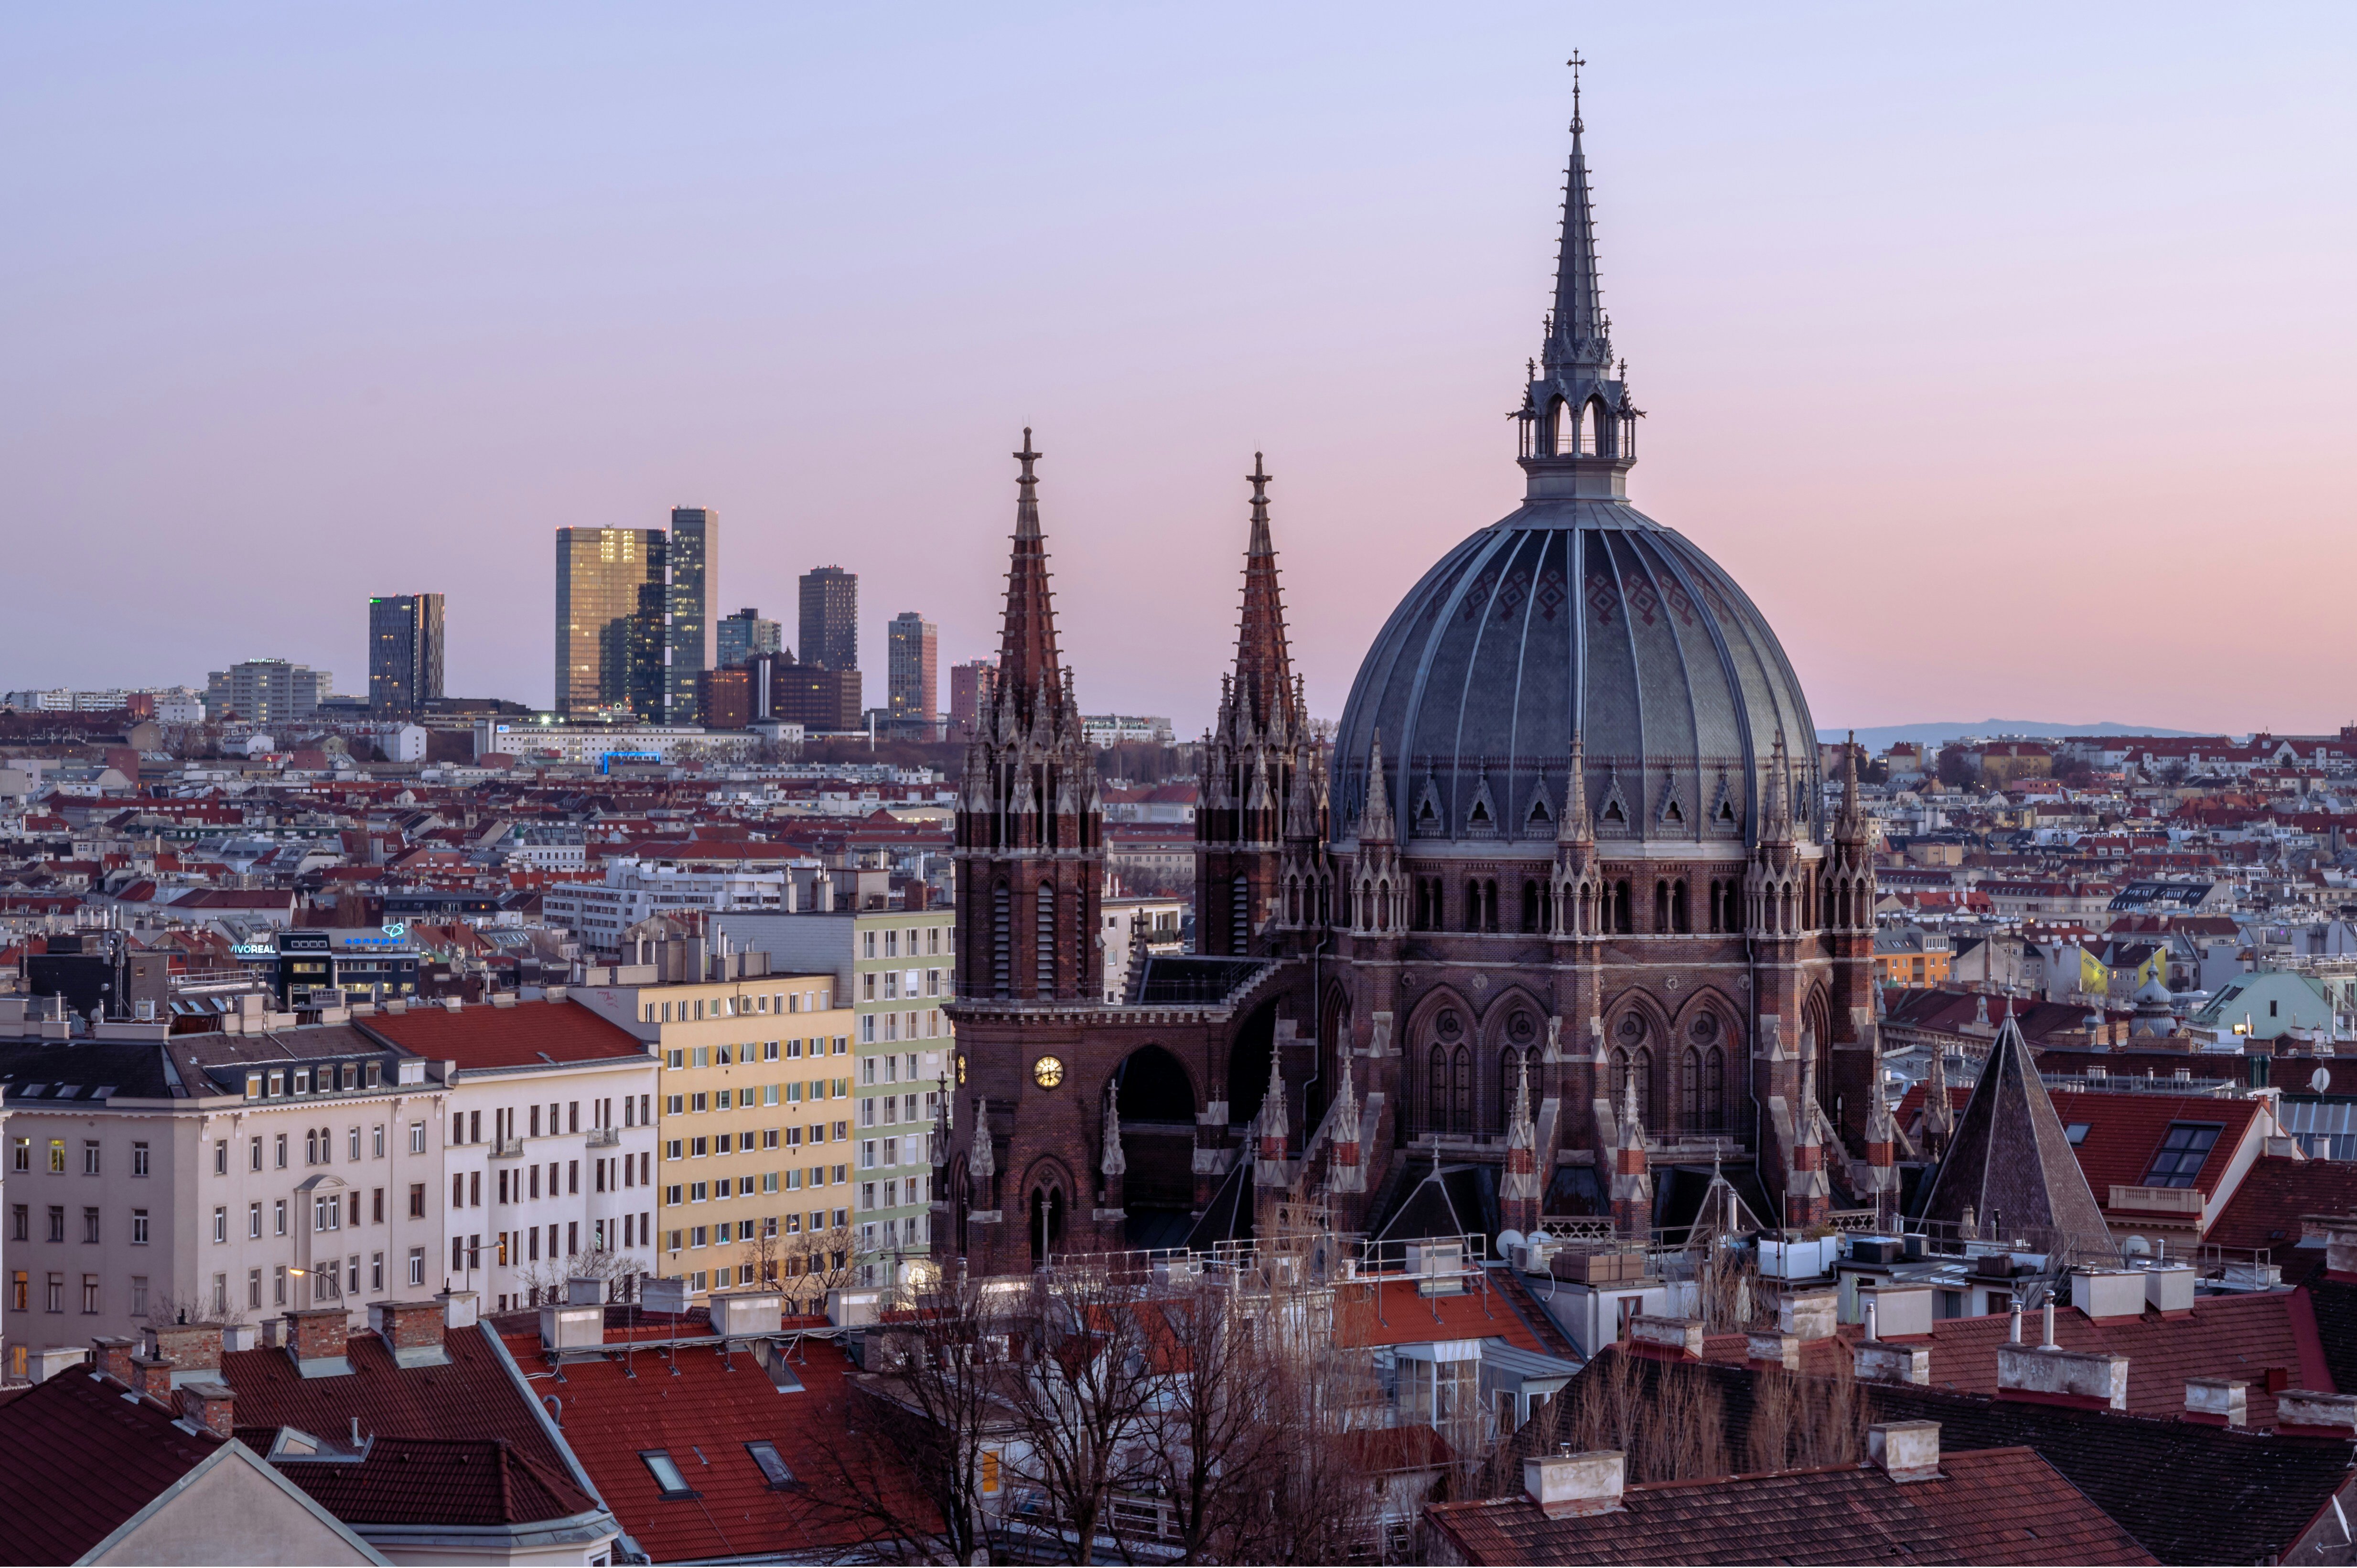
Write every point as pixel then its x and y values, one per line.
pixel 1561 900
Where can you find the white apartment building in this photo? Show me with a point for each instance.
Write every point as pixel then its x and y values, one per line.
pixel 597 745
pixel 598 913
pixel 548 1149
pixel 233 1175
pixel 268 691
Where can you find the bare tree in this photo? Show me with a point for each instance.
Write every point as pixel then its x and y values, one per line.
pixel 1080 1406
pixel 617 1271
pixel 1806 1423
pixel 922 1466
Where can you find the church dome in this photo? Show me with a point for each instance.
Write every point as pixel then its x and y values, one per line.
pixel 1577 616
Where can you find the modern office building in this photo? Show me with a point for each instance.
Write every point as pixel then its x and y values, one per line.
pixel 746 635
pixel 725 698
pixel 912 686
pixel 692 604
pixel 812 695
pixel 611 585
pixel 267 691
pixel 830 623
pixel 971 687
pixel 405 652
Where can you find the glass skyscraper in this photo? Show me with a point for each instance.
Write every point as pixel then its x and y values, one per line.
pixel 405 652
pixel 692 607
pixel 611 593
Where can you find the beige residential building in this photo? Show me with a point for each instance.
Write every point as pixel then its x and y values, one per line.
pixel 754 1114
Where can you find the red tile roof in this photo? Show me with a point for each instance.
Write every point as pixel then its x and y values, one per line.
pixel 1991 1505
pixel 473 1397
pixel 477 1483
pixel 1368 1313
pixel 704 1416
pixel 2265 1207
pixel 2124 1131
pixel 78 1459
pixel 486 1037
pixel 2245 1337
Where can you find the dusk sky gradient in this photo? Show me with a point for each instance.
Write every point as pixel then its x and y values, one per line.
pixel 2003 353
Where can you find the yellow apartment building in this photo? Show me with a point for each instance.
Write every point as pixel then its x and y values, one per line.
pixel 753 1127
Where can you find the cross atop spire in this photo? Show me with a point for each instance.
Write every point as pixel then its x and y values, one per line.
pixel 1028 664
pixel 1264 678
pixel 1574 62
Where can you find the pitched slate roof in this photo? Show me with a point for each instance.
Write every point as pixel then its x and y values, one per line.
pixel 2009 1160
pixel 1995 1506
pixel 78 1459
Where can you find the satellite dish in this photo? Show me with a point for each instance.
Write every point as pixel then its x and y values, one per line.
pixel 2320 1080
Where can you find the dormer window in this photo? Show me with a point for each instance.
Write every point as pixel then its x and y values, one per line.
pixel 302 1080
pixel 277 1084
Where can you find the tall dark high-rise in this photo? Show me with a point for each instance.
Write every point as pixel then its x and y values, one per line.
pixel 912 676
pixel 830 621
pixel 405 652
pixel 691 608
pixel 611 588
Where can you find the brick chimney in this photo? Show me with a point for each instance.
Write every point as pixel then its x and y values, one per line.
pixel 151 1377
pixel 110 1356
pixel 1905 1450
pixel 2217 1401
pixel 192 1347
pixel 409 1324
pixel 1573 1486
pixel 209 1405
pixel 317 1333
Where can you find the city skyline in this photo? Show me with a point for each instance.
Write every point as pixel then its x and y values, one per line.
pixel 1859 257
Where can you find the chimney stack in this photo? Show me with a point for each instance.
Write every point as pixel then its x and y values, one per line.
pixel 315 1336
pixel 1573 1486
pixel 412 1330
pixel 2047 1374
pixel 2217 1401
pixel 209 1405
pixel 110 1356
pixel 1905 1450
pixel 2307 1411
pixel 1666 1338
pixel 151 1378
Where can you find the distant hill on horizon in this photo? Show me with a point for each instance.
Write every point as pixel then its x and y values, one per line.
pixel 1881 735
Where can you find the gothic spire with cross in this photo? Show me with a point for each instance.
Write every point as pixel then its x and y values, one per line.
pixel 1262 688
pixel 1576 412
pixel 1028 668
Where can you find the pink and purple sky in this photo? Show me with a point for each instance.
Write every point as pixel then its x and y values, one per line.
pixel 2002 352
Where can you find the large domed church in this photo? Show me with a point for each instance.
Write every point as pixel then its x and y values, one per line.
pixel 1561 908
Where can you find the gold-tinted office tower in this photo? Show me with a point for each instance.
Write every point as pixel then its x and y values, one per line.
pixel 610 590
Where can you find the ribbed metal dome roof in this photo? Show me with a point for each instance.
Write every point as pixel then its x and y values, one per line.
pixel 1576 617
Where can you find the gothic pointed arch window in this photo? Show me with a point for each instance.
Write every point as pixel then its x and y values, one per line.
pixel 1531 908
pixel 1383 921
pixel 1562 429
pixel 1437 1091
pixel 1044 966
pixel 1461 1107
pixel 1678 920
pixel 1595 433
pixel 1714 1090
pixel 1641 1070
pixel 1690 1112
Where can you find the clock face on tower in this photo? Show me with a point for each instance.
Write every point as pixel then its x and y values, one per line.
pixel 1048 1072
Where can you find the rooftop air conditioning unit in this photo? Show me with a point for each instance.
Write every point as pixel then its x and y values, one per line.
pixel 664 1295
pixel 747 1316
pixel 571 1328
